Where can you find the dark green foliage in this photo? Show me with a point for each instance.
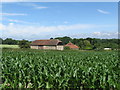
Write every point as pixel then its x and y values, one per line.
pixel 91 43
pixel 66 48
pixel 96 44
pixel 1 40
pixel 9 41
pixel 24 44
pixel 87 43
pixel 64 40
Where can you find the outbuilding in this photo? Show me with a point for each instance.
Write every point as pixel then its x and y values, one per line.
pixel 72 46
pixel 52 44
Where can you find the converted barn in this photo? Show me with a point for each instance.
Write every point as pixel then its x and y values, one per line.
pixel 52 44
pixel 72 46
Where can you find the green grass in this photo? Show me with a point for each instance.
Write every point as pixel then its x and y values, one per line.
pixel 8 46
pixel 27 68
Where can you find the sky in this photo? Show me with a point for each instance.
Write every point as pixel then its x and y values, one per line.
pixel 43 20
pixel 60 0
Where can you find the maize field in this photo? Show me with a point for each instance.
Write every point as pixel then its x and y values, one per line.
pixel 60 69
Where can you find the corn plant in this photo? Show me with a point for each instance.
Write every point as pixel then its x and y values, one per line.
pixel 60 69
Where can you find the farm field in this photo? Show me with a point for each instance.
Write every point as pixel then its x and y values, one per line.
pixel 8 46
pixel 60 69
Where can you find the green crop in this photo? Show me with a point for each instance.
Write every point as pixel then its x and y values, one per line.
pixel 60 69
pixel 8 46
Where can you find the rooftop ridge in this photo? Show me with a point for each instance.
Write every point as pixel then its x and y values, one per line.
pixel 46 39
pixel 71 45
pixel 46 42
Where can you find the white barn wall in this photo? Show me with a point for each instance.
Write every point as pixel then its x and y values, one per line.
pixel 34 47
pixel 60 47
pixel 49 47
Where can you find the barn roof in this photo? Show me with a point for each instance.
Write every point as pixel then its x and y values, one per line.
pixel 71 45
pixel 46 42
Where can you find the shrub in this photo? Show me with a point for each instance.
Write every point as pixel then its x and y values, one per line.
pixel 24 44
pixel 66 48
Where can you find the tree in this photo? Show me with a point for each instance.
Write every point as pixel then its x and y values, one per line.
pixel 51 38
pixel 24 44
pixel 75 41
pixel 1 40
pixel 81 44
pixel 87 45
pixel 65 39
pixel 10 41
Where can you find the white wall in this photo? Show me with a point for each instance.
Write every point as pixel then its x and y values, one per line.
pixel 34 47
pixel 60 47
pixel 49 47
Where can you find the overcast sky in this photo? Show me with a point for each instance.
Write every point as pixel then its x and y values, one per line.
pixel 42 20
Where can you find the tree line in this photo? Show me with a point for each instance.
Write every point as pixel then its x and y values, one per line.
pixel 83 43
pixel 91 43
pixel 22 43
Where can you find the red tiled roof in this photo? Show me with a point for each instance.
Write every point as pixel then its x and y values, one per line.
pixel 46 42
pixel 71 45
